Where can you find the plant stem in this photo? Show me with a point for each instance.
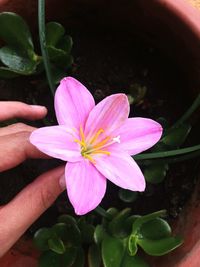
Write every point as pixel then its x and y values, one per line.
pixel 45 56
pixel 166 154
pixel 189 112
pixel 102 212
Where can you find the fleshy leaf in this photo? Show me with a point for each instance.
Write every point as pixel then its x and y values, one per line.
pixel 112 252
pixel 132 245
pixel 156 172
pixel 94 256
pixel 41 238
pixel 54 32
pixel 133 261
pixel 127 195
pixel 159 247
pixel 49 259
pixel 69 257
pixel 80 259
pixel 56 245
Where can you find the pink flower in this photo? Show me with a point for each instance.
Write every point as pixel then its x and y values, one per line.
pixel 97 142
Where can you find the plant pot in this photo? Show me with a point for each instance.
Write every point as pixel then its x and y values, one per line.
pixel 174 27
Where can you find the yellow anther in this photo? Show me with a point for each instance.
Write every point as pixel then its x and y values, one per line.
pixel 96 136
pixel 82 143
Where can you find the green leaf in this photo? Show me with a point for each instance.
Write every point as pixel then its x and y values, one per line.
pixel 69 257
pixel 155 229
pixel 15 32
pixel 176 136
pixel 66 44
pixel 112 252
pixel 56 245
pixel 99 234
pixel 146 218
pixel 129 223
pixel 94 256
pixel 67 219
pixel 116 226
pixel 41 238
pixel 133 261
pixel 60 57
pixel 54 32
pixel 80 259
pixel 17 62
pixel 87 233
pixel 156 172
pixel 159 247
pixel 132 245
pixel 68 232
pixel 7 73
pixel 49 259
pixel 127 195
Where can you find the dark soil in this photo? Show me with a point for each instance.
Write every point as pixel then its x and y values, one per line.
pixel 109 63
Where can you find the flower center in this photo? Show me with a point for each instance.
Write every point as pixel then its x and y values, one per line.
pixel 93 146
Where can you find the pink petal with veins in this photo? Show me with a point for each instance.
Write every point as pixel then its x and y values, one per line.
pixel 85 186
pixel 73 103
pixel 57 142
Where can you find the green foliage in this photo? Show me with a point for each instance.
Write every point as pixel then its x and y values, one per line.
pixel 115 241
pixel 127 195
pixel 18 57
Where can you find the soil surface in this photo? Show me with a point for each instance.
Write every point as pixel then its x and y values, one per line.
pixel 108 63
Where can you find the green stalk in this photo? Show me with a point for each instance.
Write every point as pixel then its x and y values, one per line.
pixel 189 112
pixel 166 154
pixel 45 56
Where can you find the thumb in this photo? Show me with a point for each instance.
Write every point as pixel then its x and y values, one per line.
pixel 28 205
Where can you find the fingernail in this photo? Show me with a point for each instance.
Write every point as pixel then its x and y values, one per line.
pixel 38 108
pixel 62 182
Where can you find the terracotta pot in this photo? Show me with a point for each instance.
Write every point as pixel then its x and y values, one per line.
pixel 173 26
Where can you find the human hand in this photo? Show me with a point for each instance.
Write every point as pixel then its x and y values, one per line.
pixel 32 201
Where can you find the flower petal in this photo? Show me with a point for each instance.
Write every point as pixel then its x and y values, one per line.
pixel 108 115
pixel 57 142
pixel 85 186
pixel 139 134
pixel 73 102
pixel 121 169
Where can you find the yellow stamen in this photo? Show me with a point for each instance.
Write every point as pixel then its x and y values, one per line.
pixel 103 142
pixel 101 152
pixel 82 143
pixel 82 134
pixel 89 158
pixel 96 136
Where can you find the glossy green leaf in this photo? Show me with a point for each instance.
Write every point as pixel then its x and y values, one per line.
pixel 156 172
pixel 56 245
pixel 41 238
pixel 68 232
pixel 17 62
pixel 99 234
pixel 112 252
pixel 111 212
pixel 67 219
pixel 80 259
pixel 116 226
pixel 146 218
pixel 127 195
pixel 66 44
pixel 155 229
pixel 54 32
pixel 60 57
pixel 15 32
pixel 132 245
pixel 94 256
pixel 128 224
pixel 133 261
pixel 49 259
pixel 69 257
pixel 159 247
pixel 176 136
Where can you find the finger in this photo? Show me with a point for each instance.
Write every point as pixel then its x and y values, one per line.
pixel 15 148
pixel 14 109
pixel 28 205
pixel 14 128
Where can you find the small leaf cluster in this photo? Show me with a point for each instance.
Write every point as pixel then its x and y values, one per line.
pixel 113 242
pixel 173 138
pixel 122 234
pixel 18 56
